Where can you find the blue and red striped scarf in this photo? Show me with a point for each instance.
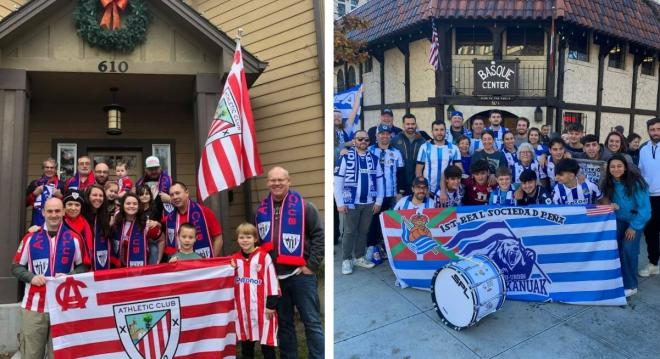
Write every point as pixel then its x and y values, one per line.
pixel 101 253
pixel 43 261
pixel 50 185
pixel 75 182
pixel 164 182
pixel 290 236
pixel 203 244
pixel 132 247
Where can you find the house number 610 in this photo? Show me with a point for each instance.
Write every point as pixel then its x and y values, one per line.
pixel 111 66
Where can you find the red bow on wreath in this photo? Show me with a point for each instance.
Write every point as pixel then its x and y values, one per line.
pixel 111 14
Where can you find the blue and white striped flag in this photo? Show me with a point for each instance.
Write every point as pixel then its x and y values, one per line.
pixel 344 102
pixel 546 253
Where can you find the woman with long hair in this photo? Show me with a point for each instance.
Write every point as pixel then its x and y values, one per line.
pixel 634 140
pixel 509 149
pixel 616 143
pixel 534 139
pixel 489 152
pixel 131 231
pixel 151 211
pixel 96 213
pixel 629 194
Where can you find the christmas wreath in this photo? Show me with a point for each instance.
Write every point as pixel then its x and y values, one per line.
pixel 99 23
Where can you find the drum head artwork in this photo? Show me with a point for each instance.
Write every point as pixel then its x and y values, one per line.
pixel 453 298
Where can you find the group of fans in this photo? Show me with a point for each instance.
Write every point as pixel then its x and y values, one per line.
pixel 92 223
pixel 492 165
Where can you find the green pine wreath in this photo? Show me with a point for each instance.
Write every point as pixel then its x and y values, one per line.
pixel 135 20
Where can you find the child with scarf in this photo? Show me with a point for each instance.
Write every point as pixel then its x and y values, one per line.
pixel 131 231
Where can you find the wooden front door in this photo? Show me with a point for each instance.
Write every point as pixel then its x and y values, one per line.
pixel 133 159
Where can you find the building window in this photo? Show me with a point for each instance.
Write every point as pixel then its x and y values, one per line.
pixel 617 58
pixel 346 6
pixel 352 81
pixel 369 65
pixel 573 117
pixel 474 41
pixel 578 48
pixel 162 151
pixel 525 42
pixel 648 66
pixel 341 85
pixel 67 159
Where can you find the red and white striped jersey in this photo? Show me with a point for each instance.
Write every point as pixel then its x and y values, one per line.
pixel 34 298
pixel 255 280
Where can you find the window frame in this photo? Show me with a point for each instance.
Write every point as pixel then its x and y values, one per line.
pixel 473 44
pixel 621 53
pixel 587 54
pixel 654 61
pixel 524 51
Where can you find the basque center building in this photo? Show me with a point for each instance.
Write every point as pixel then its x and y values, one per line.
pixel 54 86
pixel 599 69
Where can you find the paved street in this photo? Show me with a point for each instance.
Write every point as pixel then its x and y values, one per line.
pixel 375 319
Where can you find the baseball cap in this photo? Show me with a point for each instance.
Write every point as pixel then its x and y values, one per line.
pixel 151 162
pixel 384 128
pixel 456 113
pixel 527 175
pixel 75 196
pixel 387 111
pixel 420 181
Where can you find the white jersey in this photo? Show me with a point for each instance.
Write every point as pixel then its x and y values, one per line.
pixel 358 180
pixel 499 135
pixel 255 281
pixel 585 193
pixel 406 203
pixel 435 159
pixel 518 168
pixel 454 199
pixel 390 160
pixel 550 172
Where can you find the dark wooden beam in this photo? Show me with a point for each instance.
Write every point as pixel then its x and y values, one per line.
pixel 633 97
pixel 497 32
pixel 607 109
pixel 443 73
pixel 604 49
pixel 549 77
pixel 561 65
pixel 404 47
pixel 657 99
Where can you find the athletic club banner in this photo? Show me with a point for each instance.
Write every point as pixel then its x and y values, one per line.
pixel 546 253
pixel 182 310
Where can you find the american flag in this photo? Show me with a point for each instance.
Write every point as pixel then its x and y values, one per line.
pixel 434 58
pixel 230 154
pixel 183 310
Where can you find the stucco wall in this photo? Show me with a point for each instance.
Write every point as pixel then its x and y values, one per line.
pixel 422 75
pixel 617 84
pixel 394 76
pixel 371 81
pixel 609 120
pixel 647 90
pixel 371 118
pixel 640 126
pixel 581 78
pixel 425 116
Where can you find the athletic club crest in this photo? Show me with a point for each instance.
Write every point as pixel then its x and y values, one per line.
pixel 291 241
pixel 226 120
pixel 264 228
pixel 150 329
pixel 102 257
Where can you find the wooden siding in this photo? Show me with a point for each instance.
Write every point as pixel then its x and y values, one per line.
pixel 286 99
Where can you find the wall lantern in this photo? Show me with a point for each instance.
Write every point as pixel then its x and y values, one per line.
pixel 114 114
pixel 450 109
pixel 538 115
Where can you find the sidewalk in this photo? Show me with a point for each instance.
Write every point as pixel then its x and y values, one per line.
pixel 375 319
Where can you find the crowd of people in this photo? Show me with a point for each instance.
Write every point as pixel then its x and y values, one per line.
pixel 481 162
pixel 91 223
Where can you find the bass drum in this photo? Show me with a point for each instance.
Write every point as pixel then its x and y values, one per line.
pixel 463 292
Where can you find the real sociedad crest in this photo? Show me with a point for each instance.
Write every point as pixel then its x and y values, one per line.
pixel 149 329
pixel 417 236
pixel 227 118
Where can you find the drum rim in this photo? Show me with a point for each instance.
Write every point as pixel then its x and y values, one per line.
pixel 501 275
pixel 443 319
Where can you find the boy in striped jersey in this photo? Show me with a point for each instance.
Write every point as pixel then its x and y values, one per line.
pixel 557 148
pixel 568 190
pixel 256 293
pixel 419 199
pixel 495 119
pixel 455 191
pixel 503 195
pixel 434 157
pixel 391 163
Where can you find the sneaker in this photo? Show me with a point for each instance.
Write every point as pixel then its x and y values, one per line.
pixel 630 292
pixel 364 263
pixel 649 270
pixel 347 266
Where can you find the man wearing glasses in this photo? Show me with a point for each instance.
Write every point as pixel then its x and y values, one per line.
pixel 83 177
pixel 43 188
pixel 359 193
pixel 419 199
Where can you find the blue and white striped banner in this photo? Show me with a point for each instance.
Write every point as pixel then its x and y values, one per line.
pixel 343 101
pixel 546 253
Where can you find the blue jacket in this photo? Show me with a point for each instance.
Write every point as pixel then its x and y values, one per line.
pixel 635 210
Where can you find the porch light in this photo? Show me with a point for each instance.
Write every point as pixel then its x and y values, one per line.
pixel 450 109
pixel 114 114
pixel 538 114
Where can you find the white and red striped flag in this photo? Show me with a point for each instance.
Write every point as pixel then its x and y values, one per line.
pixel 434 54
pixel 230 154
pixel 183 310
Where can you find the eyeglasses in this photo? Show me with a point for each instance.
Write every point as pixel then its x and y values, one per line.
pixel 362 139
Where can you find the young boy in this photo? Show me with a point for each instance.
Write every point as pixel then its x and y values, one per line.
pixel 503 195
pixel 531 191
pixel 568 190
pixel 187 236
pixel 455 191
pixel 125 183
pixel 256 293
pixel 477 190
pixel 466 158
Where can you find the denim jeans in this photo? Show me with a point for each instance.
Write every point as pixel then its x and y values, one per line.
pixel 300 291
pixel 375 235
pixel 356 228
pixel 629 254
pixel 153 251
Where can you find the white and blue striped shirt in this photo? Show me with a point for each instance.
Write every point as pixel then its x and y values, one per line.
pixel 454 198
pixel 503 198
pixel 406 203
pixel 390 160
pixel 550 171
pixel 499 135
pixel 358 180
pixel 518 168
pixel 435 159
pixel 584 193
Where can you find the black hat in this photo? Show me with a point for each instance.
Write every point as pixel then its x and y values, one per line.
pixel 527 175
pixel 420 181
pixel 75 196
pixel 387 111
